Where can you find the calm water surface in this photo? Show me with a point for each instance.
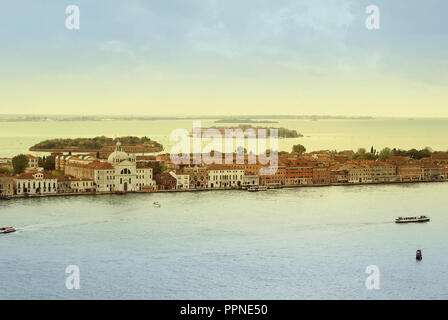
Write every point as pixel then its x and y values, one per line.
pixel 17 137
pixel 281 244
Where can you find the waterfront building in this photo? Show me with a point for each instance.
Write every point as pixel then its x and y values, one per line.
pixel 383 172
pixel 182 179
pixel 120 172
pixel 321 174
pixel 35 183
pixel 250 180
pixel 274 176
pixel 69 184
pixel 222 176
pixel 6 185
pixel 358 173
pixel 165 181
pixel 432 172
pixel 296 175
pixel 410 170
pixel 198 176
pixel 339 174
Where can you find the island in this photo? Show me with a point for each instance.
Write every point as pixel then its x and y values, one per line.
pixel 243 120
pixel 102 145
pixel 282 132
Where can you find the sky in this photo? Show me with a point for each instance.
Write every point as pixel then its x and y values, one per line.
pixel 232 57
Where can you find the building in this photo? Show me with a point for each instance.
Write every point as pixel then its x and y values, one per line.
pixel 198 177
pixel 69 184
pixel 383 172
pixel 61 160
pixel 250 180
pixel 182 179
pixel 120 172
pixel 6 185
pixel 6 163
pixel 165 181
pixel 432 172
pixel 339 174
pixel 321 174
pixel 274 176
pixel 33 162
pixel 296 175
pixel 359 173
pixel 410 170
pixel 35 183
pixel 221 176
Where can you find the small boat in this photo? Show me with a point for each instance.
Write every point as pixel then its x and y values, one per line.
pixel 257 188
pixel 7 230
pixel 418 255
pixel 411 219
pixel 156 204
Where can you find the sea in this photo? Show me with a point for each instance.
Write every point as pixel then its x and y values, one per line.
pixel 338 242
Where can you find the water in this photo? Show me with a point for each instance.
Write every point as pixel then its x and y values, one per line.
pixel 307 243
pixel 17 137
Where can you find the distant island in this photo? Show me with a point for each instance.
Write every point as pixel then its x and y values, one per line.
pixel 221 118
pixel 240 120
pixel 282 132
pixel 97 144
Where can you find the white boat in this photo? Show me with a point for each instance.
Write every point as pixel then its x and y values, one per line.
pixel 412 219
pixel 257 188
pixel 156 204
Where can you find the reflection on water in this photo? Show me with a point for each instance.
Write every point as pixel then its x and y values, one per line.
pixel 291 243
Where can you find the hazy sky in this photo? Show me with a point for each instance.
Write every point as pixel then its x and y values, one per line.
pixel 190 57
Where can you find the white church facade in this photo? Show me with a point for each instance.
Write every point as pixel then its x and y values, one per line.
pixel 121 172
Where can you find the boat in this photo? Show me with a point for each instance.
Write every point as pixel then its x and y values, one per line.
pixel 7 230
pixel 411 219
pixel 156 204
pixel 418 255
pixel 257 188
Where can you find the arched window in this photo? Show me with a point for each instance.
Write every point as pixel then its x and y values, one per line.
pixel 125 171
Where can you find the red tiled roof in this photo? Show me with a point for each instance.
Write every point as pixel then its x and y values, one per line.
pixel 30 175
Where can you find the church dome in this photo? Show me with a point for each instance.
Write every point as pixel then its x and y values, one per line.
pixel 118 155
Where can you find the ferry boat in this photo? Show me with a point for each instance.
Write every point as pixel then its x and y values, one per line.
pixel 412 219
pixel 257 188
pixel 7 230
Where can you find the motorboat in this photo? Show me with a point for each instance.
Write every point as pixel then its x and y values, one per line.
pixel 7 230
pixel 412 219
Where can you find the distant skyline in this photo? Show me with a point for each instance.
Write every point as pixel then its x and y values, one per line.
pixel 215 57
